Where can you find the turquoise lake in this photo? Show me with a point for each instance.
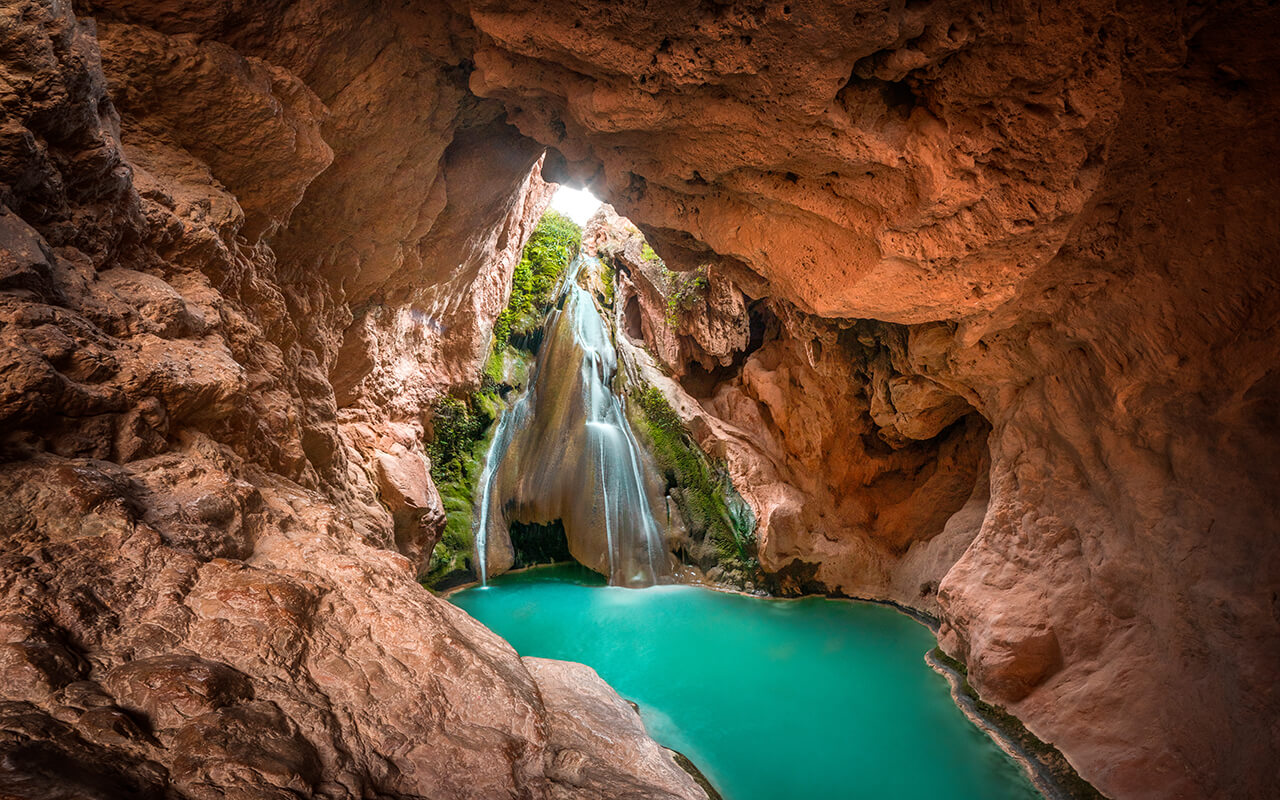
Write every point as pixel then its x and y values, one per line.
pixel 772 699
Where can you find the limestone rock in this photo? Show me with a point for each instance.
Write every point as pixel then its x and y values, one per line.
pixel 207 571
pixel 596 742
pixel 405 486
pixel 170 690
pixel 1073 256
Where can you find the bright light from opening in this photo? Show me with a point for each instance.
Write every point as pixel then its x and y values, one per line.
pixel 576 204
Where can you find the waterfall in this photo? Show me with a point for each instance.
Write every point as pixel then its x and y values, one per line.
pixel 501 440
pixel 565 450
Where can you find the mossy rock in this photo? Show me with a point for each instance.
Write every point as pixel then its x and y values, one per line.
pixel 712 511
pixel 462 427
pixel 551 247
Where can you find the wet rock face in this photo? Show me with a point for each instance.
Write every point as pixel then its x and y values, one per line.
pixel 854 464
pixel 566 454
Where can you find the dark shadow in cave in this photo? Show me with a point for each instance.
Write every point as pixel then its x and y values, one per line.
pixel 539 543
pixel 701 382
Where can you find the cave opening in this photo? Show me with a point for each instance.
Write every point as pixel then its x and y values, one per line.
pixel 537 543
pixel 701 381
pixel 632 324
pixel 576 203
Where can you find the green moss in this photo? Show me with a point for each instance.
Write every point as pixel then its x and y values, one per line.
pixel 462 427
pixel 688 766
pixel 456 425
pixel 703 493
pixel 495 366
pixel 550 249
pixel 646 252
pixel 608 276
pixel 684 292
pixel 954 664
pixel 460 440
pixel 504 369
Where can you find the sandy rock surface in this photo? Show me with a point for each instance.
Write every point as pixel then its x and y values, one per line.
pixel 598 740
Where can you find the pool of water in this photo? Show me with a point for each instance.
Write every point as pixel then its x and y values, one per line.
pixel 772 699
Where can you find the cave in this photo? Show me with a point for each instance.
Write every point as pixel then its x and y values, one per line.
pixel 981 322
pixel 631 316
pixel 539 543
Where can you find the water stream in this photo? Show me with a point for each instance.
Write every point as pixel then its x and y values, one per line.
pixel 565 450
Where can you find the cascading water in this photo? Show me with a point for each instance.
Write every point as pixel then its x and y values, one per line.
pixel 565 450
pixel 497 448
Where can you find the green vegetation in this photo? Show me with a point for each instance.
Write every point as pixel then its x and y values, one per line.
pixel 551 246
pixel 686 291
pixel 456 426
pixel 494 367
pixel 1049 756
pixel 608 277
pixel 646 252
pixel 506 367
pixel 688 766
pixel 711 508
pixel 462 427
pixel 457 456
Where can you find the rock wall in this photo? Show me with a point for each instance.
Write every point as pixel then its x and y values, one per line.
pixel 246 244
pixel 1050 213
pixel 242 250
pixel 856 466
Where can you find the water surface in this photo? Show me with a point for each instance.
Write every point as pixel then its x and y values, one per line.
pixel 772 699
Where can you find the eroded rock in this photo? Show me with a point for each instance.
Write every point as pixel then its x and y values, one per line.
pixel 170 690
pixel 202 593
pixel 1049 214
pixel 597 744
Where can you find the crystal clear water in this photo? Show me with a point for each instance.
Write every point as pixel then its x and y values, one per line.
pixel 772 699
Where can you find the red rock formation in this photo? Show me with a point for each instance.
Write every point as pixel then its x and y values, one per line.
pixel 854 469
pixel 237 264
pixel 217 350
pixel 592 731
pixel 1061 204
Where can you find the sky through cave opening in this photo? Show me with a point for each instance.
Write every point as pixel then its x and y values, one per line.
pixel 576 204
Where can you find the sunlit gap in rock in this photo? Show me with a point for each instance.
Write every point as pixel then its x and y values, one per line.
pixel 576 204
pixel 564 449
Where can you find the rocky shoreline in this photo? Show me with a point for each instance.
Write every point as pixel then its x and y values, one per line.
pixel 1047 768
